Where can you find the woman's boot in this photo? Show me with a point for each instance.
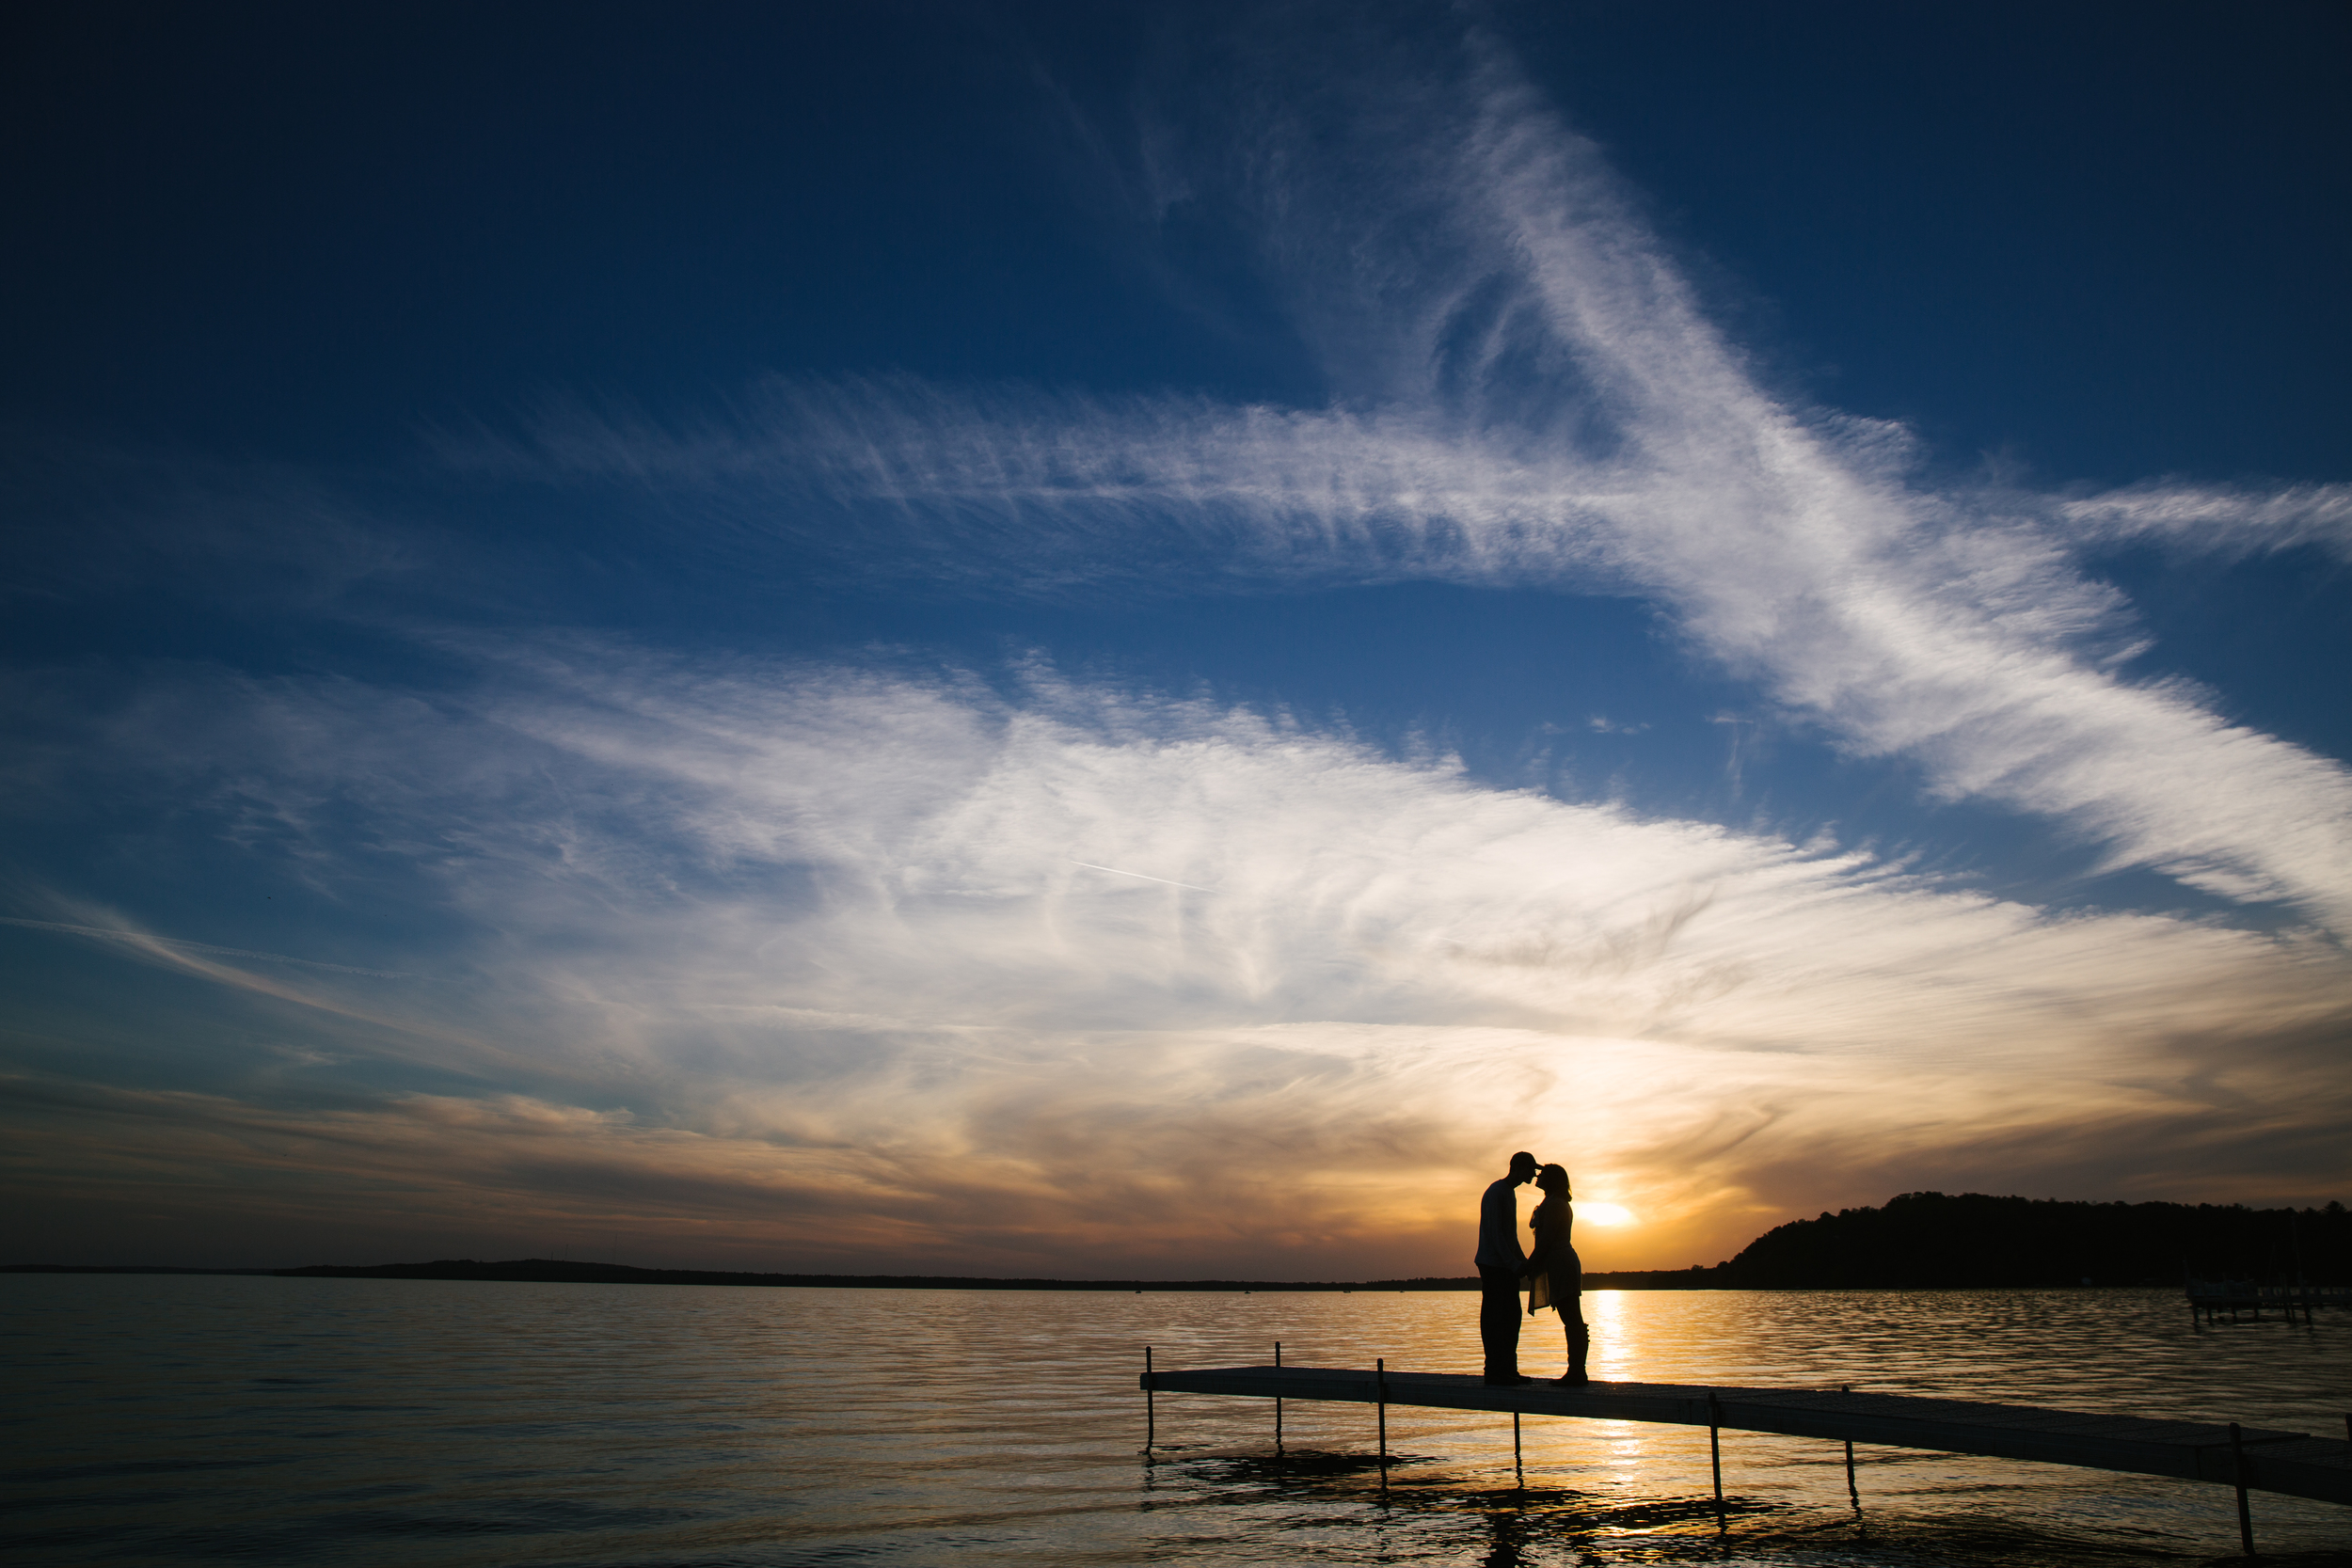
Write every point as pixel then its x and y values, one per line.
pixel 1580 1344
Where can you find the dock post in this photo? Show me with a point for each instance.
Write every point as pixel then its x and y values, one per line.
pixel 1278 1403
pixel 1151 1403
pixel 1715 1453
pixel 1380 1373
pixel 1519 1469
pixel 1853 1494
pixel 2237 1474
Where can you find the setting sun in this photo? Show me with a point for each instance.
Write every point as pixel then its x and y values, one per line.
pixel 1604 1214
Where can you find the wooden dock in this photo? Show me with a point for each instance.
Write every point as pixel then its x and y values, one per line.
pixel 2209 1298
pixel 2251 1458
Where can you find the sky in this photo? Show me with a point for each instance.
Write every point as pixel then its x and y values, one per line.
pixel 1133 640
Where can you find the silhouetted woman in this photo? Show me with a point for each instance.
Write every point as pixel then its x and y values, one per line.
pixel 1555 1275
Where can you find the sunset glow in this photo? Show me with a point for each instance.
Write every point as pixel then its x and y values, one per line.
pixel 962 648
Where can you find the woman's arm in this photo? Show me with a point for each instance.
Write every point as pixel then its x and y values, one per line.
pixel 1541 1252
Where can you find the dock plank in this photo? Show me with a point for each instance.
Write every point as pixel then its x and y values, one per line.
pixel 2291 1462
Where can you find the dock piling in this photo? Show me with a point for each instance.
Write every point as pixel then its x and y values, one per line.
pixel 1151 1403
pixel 2237 1476
pixel 1715 1453
pixel 2293 1464
pixel 1278 1404
pixel 1853 1494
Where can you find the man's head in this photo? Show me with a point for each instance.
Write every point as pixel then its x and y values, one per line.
pixel 1524 1165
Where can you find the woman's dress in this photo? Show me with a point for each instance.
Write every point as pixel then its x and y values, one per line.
pixel 1555 1273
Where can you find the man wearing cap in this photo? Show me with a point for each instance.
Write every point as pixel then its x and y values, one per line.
pixel 1500 1260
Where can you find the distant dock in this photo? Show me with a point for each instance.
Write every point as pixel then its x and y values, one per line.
pixel 2209 1298
pixel 2248 1458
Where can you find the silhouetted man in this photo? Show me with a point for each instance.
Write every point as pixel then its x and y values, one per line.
pixel 1500 1259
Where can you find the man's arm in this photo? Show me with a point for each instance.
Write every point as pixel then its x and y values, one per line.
pixel 1498 1228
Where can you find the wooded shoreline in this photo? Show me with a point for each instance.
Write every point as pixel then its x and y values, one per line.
pixel 1918 1240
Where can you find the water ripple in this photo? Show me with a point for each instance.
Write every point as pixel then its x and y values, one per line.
pixel 377 1422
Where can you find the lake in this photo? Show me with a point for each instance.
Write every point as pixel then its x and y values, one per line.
pixel 202 1420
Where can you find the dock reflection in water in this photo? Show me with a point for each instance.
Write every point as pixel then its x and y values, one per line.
pixel 173 1419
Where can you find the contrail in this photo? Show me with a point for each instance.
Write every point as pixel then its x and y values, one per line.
pixel 199 946
pixel 1115 872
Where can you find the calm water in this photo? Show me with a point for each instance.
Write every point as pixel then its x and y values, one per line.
pixel 183 1420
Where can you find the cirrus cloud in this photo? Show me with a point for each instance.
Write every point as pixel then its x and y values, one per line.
pixel 819 938
pixel 1529 394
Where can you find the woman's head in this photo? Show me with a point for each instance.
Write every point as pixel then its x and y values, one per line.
pixel 1552 1178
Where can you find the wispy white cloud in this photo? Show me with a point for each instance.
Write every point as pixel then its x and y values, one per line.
pixel 2217 520
pixel 1531 394
pixel 814 945
pixel 145 940
pixel 1142 877
pixel 839 967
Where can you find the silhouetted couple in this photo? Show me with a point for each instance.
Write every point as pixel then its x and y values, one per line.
pixel 1555 1275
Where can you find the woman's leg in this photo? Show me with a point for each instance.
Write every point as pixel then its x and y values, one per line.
pixel 1580 1340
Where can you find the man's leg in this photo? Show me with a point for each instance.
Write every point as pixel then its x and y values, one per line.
pixel 1498 1321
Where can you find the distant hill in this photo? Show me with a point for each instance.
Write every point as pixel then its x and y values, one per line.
pixel 1918 1241
pixel 1929 1239
pixel 554 1270
pixel 558 1270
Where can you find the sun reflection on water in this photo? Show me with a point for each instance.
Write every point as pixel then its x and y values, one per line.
pixel 526 1424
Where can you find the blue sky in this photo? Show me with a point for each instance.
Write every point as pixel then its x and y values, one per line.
pixel 1135 640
